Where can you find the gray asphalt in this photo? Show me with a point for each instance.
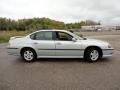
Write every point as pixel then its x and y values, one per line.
pixel 58 74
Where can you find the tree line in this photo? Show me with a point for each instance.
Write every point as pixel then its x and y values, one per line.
pixel 40 23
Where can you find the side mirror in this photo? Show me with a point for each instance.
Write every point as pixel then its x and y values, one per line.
pixel 74 39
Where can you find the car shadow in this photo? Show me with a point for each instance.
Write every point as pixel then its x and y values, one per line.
pixel 70 60
pixel 60 60
pixel 80 60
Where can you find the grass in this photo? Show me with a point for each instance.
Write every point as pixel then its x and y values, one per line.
pixel 5 35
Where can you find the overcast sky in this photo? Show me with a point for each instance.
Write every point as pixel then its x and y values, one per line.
pixel 106 11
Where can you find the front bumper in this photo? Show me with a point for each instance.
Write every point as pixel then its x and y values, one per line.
pixel 108 52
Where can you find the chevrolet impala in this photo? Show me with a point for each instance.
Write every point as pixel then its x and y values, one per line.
pixel 58 44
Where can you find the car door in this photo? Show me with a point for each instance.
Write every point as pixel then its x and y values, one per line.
pixel 65 46
pixel 44 43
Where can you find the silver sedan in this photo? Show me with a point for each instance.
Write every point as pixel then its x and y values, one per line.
pixel 58 44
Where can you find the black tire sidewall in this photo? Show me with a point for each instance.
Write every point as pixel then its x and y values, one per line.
pixel 34 55
pixel 87 55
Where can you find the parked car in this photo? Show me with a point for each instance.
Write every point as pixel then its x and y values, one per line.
pixel 58 44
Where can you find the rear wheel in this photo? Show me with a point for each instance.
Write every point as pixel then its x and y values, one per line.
pixel 92 54
pixel 28 55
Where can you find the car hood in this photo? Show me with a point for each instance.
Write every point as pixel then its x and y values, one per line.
pixel 95 42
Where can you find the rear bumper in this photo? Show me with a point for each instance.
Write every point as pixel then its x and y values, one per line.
pixel 108 52
pixel 13 51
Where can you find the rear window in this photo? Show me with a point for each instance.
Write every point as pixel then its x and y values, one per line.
pixel 42 36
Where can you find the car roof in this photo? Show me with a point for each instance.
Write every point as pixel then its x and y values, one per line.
pixel 52 30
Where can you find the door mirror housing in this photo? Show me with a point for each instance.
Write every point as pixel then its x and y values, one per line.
pixel 74 39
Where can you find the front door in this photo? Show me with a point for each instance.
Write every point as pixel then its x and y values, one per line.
pixel 65 46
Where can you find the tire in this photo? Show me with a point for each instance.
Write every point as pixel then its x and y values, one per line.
pixel 92 54
pixel 28 55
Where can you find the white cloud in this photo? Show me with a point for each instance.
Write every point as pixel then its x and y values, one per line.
pixel 64 10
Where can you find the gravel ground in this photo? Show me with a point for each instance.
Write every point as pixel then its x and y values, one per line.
pixel 61 74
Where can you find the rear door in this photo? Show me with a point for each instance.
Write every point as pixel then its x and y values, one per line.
pixel 44 43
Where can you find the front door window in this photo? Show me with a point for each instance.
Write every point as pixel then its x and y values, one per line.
pixel 62 36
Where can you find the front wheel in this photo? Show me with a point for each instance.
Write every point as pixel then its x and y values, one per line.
pixel 28 55
pixel 92 55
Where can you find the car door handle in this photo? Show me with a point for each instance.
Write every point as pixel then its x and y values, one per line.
pixel 58 43
pixel 35 43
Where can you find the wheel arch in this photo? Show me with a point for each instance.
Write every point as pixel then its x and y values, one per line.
pixel 97 47
pixel 24 48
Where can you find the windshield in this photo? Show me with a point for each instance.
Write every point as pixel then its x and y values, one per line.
pixel 77 36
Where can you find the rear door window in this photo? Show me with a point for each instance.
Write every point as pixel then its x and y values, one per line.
pixel 45 35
